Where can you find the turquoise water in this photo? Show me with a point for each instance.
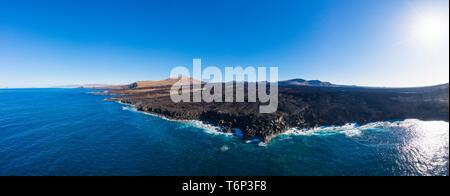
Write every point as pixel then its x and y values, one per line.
pixel 70 132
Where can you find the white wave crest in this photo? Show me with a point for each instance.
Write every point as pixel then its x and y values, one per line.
pixel 206 127
pixel 128 108
pixel 191 123
pixel 354 130
pixel 350 130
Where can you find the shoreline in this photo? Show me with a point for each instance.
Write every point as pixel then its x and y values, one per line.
pixel 299 108
pixel 349 129
pixel 202 125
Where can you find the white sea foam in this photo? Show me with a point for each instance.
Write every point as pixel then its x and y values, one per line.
pixel 224 148
pixel 206 127
pixel 127 108
pixel 349 130
pixel 262 144
pixel 192 123
pixel 354 130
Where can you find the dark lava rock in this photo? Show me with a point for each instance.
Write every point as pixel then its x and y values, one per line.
pixel 302 107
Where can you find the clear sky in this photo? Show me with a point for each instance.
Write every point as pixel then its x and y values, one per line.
pixel 361 42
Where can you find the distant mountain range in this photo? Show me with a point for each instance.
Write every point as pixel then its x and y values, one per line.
pixel 188 80
pixel 302 82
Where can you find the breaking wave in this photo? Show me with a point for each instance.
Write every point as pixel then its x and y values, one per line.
pixel 350 130
pixel 207 128
pixel 355 130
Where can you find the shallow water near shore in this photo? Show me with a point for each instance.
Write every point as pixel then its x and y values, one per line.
pixel 71 132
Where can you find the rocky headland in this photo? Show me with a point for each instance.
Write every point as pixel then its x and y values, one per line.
pixel 302 104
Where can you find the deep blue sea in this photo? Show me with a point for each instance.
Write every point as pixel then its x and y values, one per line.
pixel 71 132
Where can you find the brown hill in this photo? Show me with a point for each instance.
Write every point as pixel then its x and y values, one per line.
pixel 149 84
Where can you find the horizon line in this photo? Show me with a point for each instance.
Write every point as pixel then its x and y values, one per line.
pixel 67 86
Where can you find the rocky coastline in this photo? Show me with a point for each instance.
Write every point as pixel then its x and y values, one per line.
pixel 299 106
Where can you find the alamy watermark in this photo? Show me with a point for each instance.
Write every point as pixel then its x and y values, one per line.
pixel 261 83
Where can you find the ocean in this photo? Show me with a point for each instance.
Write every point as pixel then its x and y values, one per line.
pixel 71 132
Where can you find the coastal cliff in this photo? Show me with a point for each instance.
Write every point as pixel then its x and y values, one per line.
pixel 301 105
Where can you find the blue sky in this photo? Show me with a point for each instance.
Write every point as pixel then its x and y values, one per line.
pixel 371 42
